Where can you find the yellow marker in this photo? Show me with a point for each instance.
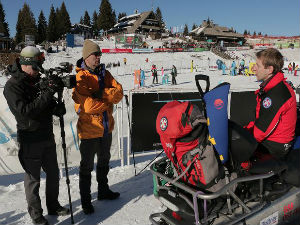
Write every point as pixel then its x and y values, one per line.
pixel 250 68
pixel 207 121
pixel 212 140
pixel 221 157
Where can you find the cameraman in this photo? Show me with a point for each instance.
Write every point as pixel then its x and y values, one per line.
pixel 95 94
pixel 33 108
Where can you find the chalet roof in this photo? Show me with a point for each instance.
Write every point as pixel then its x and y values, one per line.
pixel 215 30
pixel 134 21
pixel 139 21
pixel 81 25
pixel 129 16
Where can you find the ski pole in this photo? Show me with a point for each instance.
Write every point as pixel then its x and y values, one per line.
pixel 149 163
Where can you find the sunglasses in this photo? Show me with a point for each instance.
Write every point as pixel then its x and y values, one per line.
pixel 97 54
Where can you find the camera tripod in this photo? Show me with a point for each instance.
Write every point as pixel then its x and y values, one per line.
pixel 62 131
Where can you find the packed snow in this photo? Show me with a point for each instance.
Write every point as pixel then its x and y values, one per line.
pixel 136 202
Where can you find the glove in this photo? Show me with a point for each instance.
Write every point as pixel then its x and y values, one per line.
pixel 98 94
pixel 59 109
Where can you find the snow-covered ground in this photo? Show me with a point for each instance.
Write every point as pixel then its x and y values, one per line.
pixel 137 201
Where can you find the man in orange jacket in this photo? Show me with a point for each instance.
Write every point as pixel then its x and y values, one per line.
pixel 95 94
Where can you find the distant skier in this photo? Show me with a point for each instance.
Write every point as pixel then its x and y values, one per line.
pixel 242 67
pixel 174 75
pixel 154 74
pixel 295 71
pixel 137 78
pixel 164 77
pixel 223 69
pixel 290 68
pixel 142 78
pixel 294 65
pixel 233 67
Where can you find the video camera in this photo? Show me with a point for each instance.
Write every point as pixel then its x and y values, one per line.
pixel 57 73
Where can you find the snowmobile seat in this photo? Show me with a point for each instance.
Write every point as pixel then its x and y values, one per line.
pixel 268 166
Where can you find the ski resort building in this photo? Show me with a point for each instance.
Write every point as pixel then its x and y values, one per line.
pixel 139 23
pixel 84 30
pixel 213 33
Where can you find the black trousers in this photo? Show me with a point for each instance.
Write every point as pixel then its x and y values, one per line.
pixel 33 157
pixel 174 80
pixel 88 149
pixel 155 78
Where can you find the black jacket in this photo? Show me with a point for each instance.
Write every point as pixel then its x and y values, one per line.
pixel 31 107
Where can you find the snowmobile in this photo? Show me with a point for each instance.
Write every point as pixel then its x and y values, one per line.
pixel 266 194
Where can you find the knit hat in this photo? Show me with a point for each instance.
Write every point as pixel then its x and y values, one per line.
pixel 89 47
pixel 32 56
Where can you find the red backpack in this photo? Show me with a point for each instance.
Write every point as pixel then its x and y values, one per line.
pixel 183 132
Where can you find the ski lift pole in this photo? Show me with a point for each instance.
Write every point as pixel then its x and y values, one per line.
pixel 130 131
pixel 62 131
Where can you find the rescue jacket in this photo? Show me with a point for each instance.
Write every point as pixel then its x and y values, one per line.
pixel 276 112
pixel 95 115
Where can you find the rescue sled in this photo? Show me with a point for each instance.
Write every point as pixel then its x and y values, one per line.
pixel 266 194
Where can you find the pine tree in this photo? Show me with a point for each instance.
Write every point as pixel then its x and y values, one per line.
pixel 254 33
pixel 86 19
pixel 94 24
pixel 25 24
pixel 18 36
pixel 121 15
pixel 58 22
pixel 51 32
pixel 185 30
pixel 106 18
pixel 158 16
pixel 63 21
pixel 42 28
pixel 3 24
pixel 114 16
pixel 245 32
pixel 194 26
pixel 259 33
pixel 81 20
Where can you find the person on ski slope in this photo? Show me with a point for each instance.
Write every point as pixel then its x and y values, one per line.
pixel 95 94
pixel 290 68
pixel 154 74
pixel 174 75
pixel 295 71
pixel 142 78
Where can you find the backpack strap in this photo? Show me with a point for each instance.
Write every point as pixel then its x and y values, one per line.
pixel 183 173
pixel 185 115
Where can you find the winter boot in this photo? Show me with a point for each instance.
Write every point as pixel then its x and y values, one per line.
pixel 40 220
pixel 85 192
pixel 104 193
pixel 88 209
pixel 60 211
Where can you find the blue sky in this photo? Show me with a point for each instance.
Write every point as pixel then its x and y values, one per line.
pixel 272 17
